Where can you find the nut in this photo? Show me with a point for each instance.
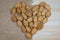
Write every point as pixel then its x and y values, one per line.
pixel 35 25
pixel 48 14
pixel 38 14
pixel 29 19
pixel 45 20
pixel 41 9
pixel 42 4
pixel 23 29
pixel 47 7
pixel 23 4
pixel 28 35
pixel 14 11
pixel 18 10
pixel 25 23
pixel 40 18
pixel 14 18
pixel 18 5
pixel 35 8
pixel 19 23
pixel 28 29
pixel 43 13
pixel 31 24
pixel 34 30
pixel 29 14
pixel 24 16
pixel 40 26
pixel 19 17
pixel 34 13
pixel 28 8
pixel 35 19
pixel 23 10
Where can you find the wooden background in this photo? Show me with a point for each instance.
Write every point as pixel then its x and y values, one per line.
pixel 10 31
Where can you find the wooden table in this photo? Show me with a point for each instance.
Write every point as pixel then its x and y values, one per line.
pixel 10 31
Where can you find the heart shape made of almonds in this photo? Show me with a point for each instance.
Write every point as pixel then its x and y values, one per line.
pixel 30 19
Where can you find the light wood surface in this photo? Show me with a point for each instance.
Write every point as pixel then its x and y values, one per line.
pixel 10 31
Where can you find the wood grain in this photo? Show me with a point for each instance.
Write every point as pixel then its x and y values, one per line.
pixel 10 31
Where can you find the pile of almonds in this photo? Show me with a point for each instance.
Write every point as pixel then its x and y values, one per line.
pixel 30 19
